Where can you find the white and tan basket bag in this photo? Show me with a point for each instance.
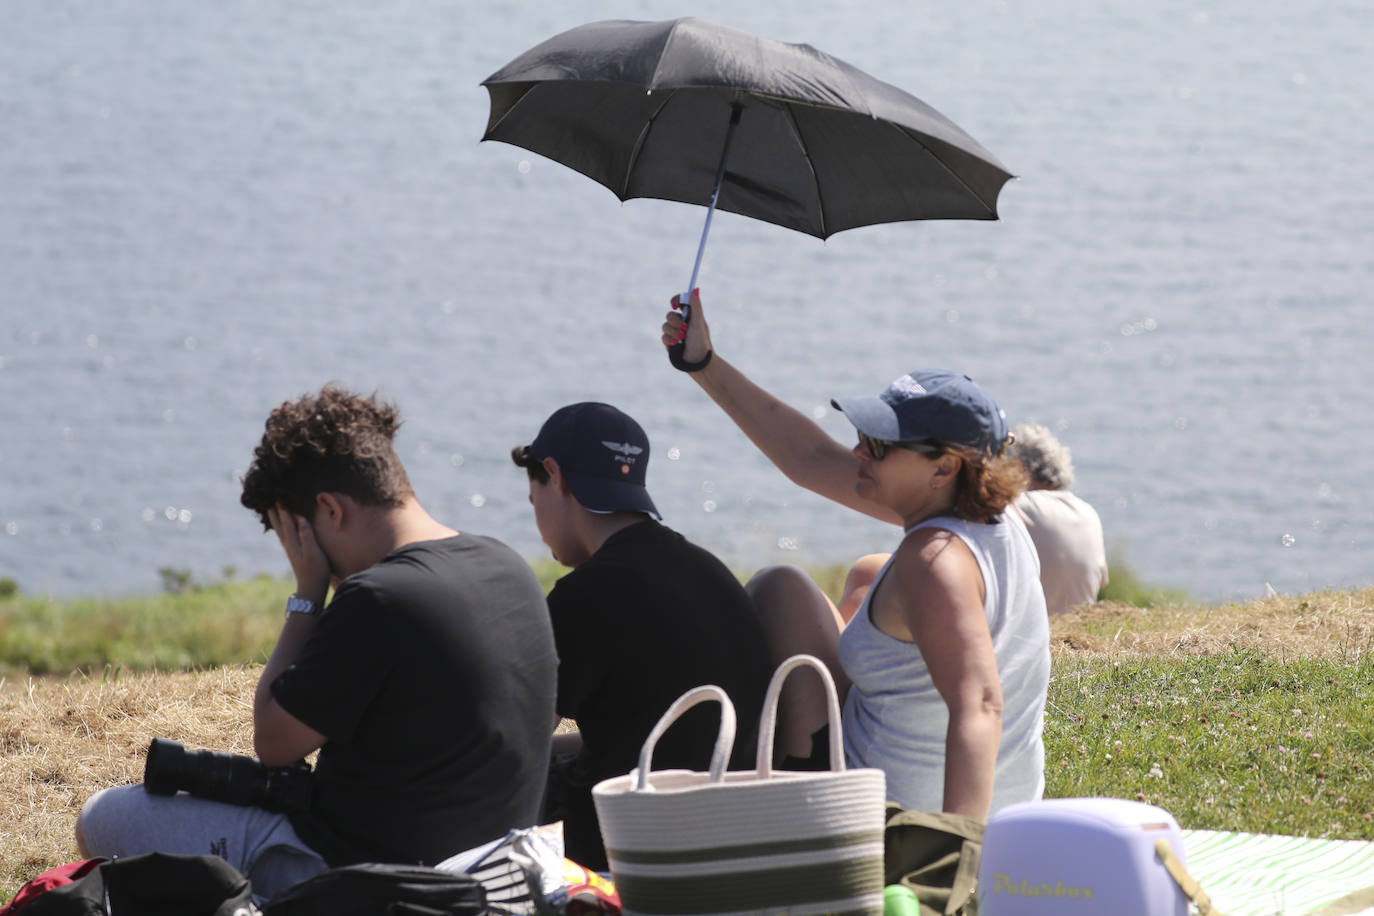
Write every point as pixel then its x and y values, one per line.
pixel 747 841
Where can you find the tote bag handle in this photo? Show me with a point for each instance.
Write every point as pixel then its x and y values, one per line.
pixel 769 723
pixel 725 737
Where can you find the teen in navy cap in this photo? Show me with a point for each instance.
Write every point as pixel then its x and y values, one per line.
pixel 643 617
pixel 943 645
pixel 603 454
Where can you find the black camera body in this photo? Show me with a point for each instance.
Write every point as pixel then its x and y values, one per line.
pixel 230 778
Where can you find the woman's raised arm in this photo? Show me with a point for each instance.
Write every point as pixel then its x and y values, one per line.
pixel 792 441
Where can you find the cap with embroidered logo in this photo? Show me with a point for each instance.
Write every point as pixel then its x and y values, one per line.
pixel 932 404
pixel 602 453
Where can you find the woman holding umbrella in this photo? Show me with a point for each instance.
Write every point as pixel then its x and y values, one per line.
pixel 944 667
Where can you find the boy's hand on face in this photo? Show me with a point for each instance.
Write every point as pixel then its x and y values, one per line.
pixel 307 558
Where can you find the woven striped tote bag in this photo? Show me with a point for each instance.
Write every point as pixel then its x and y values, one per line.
pixel 747 841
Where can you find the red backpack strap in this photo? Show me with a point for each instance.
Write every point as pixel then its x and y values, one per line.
pixel 53 877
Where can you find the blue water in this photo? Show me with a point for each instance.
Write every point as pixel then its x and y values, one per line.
pixel 206 209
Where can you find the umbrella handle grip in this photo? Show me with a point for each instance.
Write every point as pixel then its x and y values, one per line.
pixel 675 351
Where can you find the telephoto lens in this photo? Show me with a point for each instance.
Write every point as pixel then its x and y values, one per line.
pixel 231 778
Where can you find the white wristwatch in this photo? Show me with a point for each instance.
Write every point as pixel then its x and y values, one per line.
pixel 298 605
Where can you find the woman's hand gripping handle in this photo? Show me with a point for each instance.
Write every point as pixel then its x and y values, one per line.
pixel 686 335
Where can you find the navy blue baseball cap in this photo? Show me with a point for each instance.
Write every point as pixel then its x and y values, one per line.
pixel 930 404
pixel 603 454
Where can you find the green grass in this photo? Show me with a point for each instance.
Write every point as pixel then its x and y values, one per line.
pixel 1125 586
pixel 189 626
pixel 1239 741
pixel 194 625
pixel 203 626
pixel 548 572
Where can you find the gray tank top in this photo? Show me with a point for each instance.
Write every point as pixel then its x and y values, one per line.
pixel 895 720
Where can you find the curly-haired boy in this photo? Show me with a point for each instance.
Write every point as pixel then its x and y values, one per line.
pixel 427 682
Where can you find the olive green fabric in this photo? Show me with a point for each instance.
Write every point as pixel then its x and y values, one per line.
pixel 936 855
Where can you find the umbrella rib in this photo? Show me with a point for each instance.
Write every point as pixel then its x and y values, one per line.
pixel 639 144
pixel 992 210
pixel 510 108
pixel 811 166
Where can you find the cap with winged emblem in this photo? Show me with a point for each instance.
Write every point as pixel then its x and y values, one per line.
pixel 603 454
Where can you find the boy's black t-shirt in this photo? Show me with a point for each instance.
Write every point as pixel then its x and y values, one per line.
pixel 648 617
pixel 432 674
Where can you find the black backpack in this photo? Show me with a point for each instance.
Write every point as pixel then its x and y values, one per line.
pixel 151 884
pixel 374 889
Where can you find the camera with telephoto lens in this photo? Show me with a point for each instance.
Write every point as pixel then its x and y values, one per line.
pixel 230 778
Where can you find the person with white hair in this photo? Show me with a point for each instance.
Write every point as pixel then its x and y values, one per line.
pixel 1066 530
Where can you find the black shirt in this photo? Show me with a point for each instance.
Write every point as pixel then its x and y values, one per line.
pixel 648 617
pixel 432 675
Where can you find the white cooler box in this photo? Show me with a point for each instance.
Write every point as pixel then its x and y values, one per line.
pixel 1085 856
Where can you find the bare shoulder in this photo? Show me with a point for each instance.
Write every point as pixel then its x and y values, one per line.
pixel 933 551
pixel 936 565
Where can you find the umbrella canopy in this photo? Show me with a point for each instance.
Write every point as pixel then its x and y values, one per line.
pixel 816 145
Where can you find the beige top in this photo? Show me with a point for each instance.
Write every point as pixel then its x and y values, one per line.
pixel 1068 537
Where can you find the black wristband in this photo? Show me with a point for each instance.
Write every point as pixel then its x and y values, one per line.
pixel 675 357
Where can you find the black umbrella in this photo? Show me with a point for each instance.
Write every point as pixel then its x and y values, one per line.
pixel 691 111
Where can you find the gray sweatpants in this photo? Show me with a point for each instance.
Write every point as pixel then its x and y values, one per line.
pixel 261 844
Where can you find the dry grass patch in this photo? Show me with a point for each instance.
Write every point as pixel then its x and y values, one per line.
pixel 1321 623
pixel 63 740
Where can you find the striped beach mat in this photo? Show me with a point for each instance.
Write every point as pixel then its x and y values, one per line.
pixel 1253 874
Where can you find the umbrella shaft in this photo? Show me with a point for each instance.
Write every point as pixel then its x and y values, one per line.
pixel 686 297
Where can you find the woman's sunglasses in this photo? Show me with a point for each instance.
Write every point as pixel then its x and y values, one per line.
pixel 878 447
